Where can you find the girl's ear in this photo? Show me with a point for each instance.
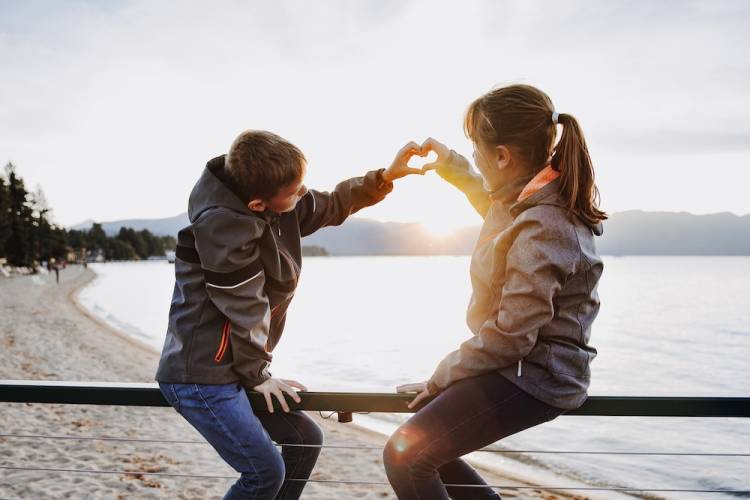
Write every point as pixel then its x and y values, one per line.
pixel 502 157
pixel 257 205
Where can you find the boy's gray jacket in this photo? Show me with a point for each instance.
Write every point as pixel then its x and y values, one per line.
pixel 235 275
pixel 534 274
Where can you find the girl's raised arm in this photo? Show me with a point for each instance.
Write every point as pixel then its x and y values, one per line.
pixel 457 170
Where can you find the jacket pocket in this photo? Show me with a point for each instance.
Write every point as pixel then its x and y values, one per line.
pixel 567 359
pixel 539 356
pixel 224 342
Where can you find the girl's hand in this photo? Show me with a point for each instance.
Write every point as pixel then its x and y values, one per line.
pixel 278 387
pixel 400 168
pixel 421 388
pixel 441 150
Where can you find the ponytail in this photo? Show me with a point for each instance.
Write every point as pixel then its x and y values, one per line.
pixel 524 116
pixel 571 158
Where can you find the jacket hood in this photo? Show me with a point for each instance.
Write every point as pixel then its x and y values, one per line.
pixel 211 192
pixel 550 195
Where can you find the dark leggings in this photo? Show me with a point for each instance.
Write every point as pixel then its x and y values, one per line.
pixel 422 456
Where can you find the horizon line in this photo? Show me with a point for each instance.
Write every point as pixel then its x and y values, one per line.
pixel 675 212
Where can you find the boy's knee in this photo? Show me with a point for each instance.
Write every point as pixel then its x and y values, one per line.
pixel 270 473
pixel 266 481
pixel 275 483
pixel 306 431
pixel 275 468
pixel 313 434
pixel 264 467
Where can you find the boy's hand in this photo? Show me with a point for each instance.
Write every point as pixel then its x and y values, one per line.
pixel 294 384
pixel 278 387
pixel 441 150
pixel 400 168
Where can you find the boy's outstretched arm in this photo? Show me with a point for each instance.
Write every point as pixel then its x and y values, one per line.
pixel 319 209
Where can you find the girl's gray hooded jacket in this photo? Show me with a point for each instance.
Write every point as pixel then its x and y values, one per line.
pixel 235 274
pixel 534 275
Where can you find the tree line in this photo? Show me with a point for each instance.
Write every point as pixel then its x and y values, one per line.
pixel 28 236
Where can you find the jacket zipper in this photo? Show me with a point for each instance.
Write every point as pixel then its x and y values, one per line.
pixel 225 332
pixel 277 223
pixel 520 362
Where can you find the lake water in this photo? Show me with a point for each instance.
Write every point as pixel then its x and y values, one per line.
pixel 668 326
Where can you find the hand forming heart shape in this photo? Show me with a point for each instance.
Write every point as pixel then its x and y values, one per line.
pixel 400 166
pixel 441 151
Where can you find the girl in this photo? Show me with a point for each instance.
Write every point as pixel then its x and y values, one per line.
pixel 534 273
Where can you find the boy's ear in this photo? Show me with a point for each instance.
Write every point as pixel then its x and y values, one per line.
pixel 257 205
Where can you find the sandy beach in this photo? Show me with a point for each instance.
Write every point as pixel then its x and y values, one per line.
pixel 46 335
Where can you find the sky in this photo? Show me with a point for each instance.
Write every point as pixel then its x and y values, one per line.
pixel 113 108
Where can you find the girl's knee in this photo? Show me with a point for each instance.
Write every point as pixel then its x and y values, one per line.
pixel 390 456
pixel 402 448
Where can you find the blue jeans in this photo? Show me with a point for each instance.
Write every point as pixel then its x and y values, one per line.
pixel 422 456
pixel 222 414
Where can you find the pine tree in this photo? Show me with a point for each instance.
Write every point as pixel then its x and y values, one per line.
pixel 28 235
pixel 4 215
pixel 97 239
pixel 18 246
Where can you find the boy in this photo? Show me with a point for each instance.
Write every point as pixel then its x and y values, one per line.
pixel 235 274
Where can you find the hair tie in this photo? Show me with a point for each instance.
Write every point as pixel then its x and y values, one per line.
pixel 555 117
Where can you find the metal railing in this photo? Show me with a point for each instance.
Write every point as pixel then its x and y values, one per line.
pixel 118 394
pixel 345 404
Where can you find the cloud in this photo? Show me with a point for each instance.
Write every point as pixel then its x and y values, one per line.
pixel 666 142
pixel 133 96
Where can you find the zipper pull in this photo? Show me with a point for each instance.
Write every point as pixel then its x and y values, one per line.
pixel 277 223
pixel 518 373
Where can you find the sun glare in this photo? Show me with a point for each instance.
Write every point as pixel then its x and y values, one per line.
pixel 443 228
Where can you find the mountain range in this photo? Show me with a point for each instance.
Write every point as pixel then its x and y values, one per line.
pixel 632 232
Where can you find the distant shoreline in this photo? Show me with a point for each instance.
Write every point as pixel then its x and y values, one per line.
pixel 632 232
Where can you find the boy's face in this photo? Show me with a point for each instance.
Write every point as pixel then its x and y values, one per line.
pixel 285 200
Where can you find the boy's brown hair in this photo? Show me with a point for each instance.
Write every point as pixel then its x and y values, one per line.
pixel 260 163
